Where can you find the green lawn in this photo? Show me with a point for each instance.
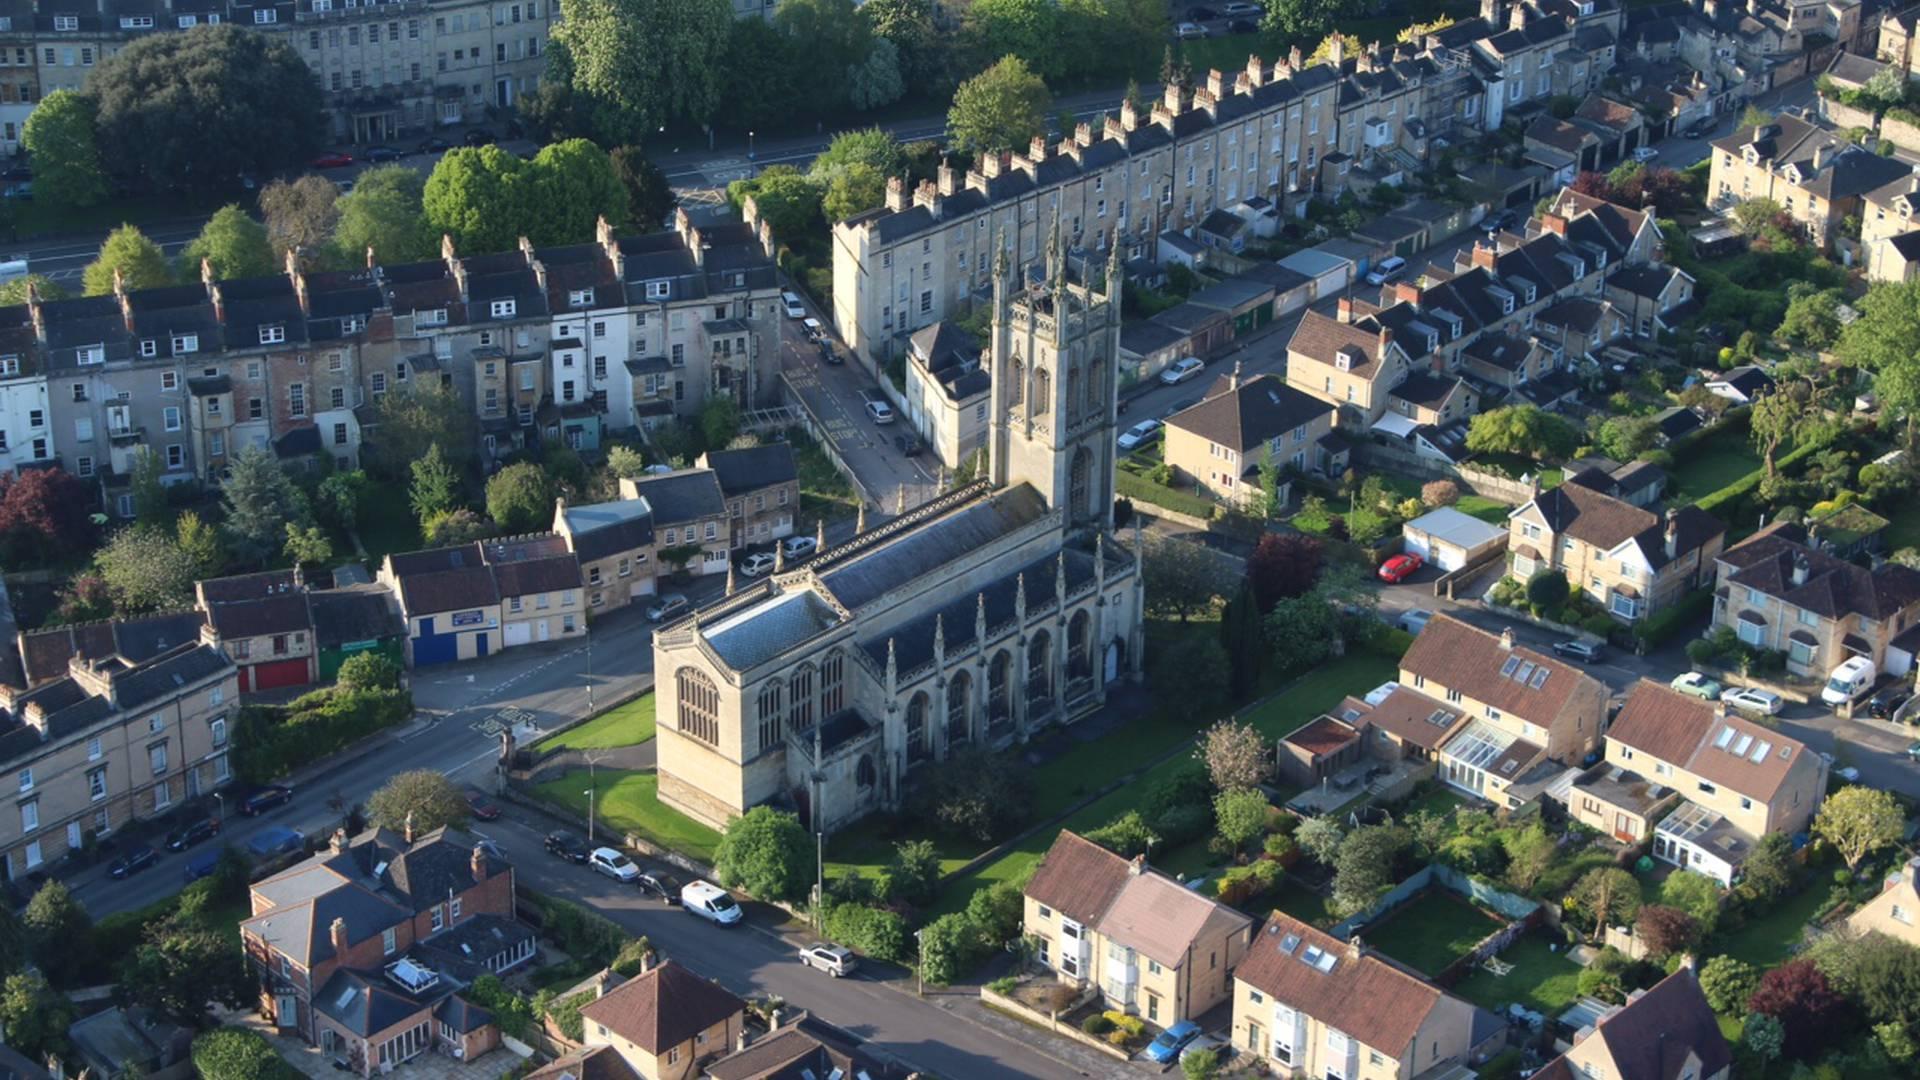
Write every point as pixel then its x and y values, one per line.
pixel 1301 902
pixel 623 725
pixel 387 526
pixel 1319 690
pixel 1711 463
pixel 1541 979
pixel 866 847
pixel 630 802
pixel 1430 931
pixel 1767 939
pixel 1439 798
pixel 1903 526
pixel 1484 508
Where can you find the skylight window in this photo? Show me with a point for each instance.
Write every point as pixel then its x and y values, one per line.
pixel 1506 669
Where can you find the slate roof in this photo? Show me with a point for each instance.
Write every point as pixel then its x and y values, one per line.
pixel 284 614
pixel 752 468
pixel 226 590
pixel 1658 1035
pixel 923 547
pixel 601 530
pixel 169 672
pixel 1360 994
pixel 1321 337
pixel 1416 718
pixel 359 613
pixel 1262 408
pixel 1583 509
pixel 913 639
pixel 681 497
pixel 1425 389
pixel 367 1004
pixel 301 930
pixel 1833 588
pixel 1749 379
pixel 545 574
pixel 44 653
pixel 662 1008
pixel 765 630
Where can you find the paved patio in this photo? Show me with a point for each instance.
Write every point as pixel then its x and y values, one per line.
pixel 1365 780
pixel 309 1061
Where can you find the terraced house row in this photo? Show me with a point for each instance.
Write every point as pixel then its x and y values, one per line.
pixel 552 345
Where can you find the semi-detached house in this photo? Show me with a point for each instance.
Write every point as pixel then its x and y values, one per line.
pixel 1780 590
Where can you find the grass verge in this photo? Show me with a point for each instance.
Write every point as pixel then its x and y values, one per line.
pixel 623 725
pixel 630 802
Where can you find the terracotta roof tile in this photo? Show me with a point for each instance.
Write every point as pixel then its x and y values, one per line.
pixel 663 1008
pixel 1458 656
pixel 1078 878
pixel 1320 338
pixel 1360 994
pixel 1416 718
pixel 1163 919
pixel 1695 735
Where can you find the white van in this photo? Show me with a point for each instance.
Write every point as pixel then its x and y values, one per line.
pixel 710 902
pixel 1848 681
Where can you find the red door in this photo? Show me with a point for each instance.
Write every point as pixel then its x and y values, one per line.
pixel 244 687
pixel 279 673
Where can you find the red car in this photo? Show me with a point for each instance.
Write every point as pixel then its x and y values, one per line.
pixel 1399 568
pixel 481 805
pixel 333 159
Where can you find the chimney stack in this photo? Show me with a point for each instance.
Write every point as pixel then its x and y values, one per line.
pixel 1354 947
pixel 1408 292
pixel 896 193
pixel 1802 566
pixel 406 827
pixel 1554 224
pixel 1486 257
pixel 1673 533
pixel 1384 341
pixel 337 845
pixel 1344 312
pixel 1233 380
pixel 1506 639
pixel 338 934
pixel 1138 866
pixel 478 864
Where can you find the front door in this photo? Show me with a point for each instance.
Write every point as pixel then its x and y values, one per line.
pixel 1113 660
pixel 75 837
pixel 286 1014
pixel 542 624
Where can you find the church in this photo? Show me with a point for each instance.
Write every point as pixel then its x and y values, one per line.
pixel 979 618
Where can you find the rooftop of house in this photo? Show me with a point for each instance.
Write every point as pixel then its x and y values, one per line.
pixel 1128 902
pixel 1338 983
pixel 1584 509
pixel 751 468
pixel 601 530
pixel 1778 561
pixel 1492 669
pixel 1246 414
pixel 682 497
pixel 663 1007
pixel 1720 747
pixel 1668 1032
pixel 65 707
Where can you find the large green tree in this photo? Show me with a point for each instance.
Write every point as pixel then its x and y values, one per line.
pixel 1001 108
pixel 435 489
pixel 833 37
pixel 195 110
pixel 383 212
pixel 184 969
pixel 60 134
pixel 1858 821
pixel 484 197
pixel 234 244
pixel 1028 29
pixel 868 146
pixel 764 76
pixel 139 260
pixel 411 421
pixel 909 25
pixel 519 498
pixel 59 932
pixel 853 190
pixel 13 293
pixel 650 197
pixel 422 798
pixel 787 199
pixel 640 64
pixel 301 215
pixel 260 502
pixel 1882 341
pixel 576 184
pixel 146 570
pixel 35 1016
pixel 1522 429
pixel 767 853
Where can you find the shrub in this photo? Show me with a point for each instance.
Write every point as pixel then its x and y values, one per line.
pixel 231 1053
pixel 1277 846
pixel 1184 824
pixel 1097 1024
pixel 512 1012
pixel 1660 627
pixel 1547 590
pixel 870 931
pixel 1132 1026
pixel 997 911
pixel 369 671
pixel 767 853
pixel 975 794
pixel 1003 985
pixel 581 933
pixel 632 957
pixel 1127 835
pixel 1437 493
pixel 270 741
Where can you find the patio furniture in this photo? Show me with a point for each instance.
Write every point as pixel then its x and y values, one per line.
pixel 1498 967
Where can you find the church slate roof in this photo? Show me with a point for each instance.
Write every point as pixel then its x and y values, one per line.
pixel 769 628
pixel 913 640
pixel 918 552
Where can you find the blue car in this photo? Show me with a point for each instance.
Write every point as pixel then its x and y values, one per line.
pixel 275 840
pixel 1171 1041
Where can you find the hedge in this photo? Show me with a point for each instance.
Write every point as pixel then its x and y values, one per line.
pixel 270 741
pixel 1141 489
pixel 232 1053
pixel 870 931
pixel 1660 627
pixel 580 933
pixel 1730 496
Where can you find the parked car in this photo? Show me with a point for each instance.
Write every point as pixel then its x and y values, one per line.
pixel 275 840
pixel 264 798
pixel 880 412
pixel 1221 1048
pixel 378 154
pixel 434 144
pixel 1888 700
pixel 1243 26
pixel 669 605
pixel 835 960
pixel 659 884
pixel 481 804
pixel 1400 568
pixel 1386 270
pixel 138 858
pixel 1699 129
pixel 566 845
pixel 17 172
pixel 1750 699
pixel 811 326
pixel 710 902
pixel 1694 684
pixel 1242 9
pixel 332 159
pixel 1187 367
pixel 759 563
pixel 192 833
pixel 203 864
pixel 799 547
pixel 1913 750
pixel 613 864
pixel 1167 1045
pixel 479 137
pixel 829 354
pixel 909 444
pixel 790 303
pixel 1187 31
pixel 1415 620
pixel 1645 154
pixel 1586 652
pixel 1497 221
pixel 1139 434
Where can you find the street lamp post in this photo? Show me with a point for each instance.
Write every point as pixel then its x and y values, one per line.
pixel 589 794
pixel 749 146
pixel 819 875
pixel 920 968
pixel 589 671
pixel 220 805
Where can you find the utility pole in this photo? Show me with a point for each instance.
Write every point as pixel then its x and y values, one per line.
pixel 589 794
pixel 589 671
pixel 819 874
pixel 920 964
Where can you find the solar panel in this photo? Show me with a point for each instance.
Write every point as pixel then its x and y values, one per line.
pixel 1506 669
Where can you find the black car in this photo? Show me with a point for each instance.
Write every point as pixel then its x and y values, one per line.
pixel 1243 26
pixel 134 861
pixel 480 137
pixel 908 444
pixel 17 172
pixel 567 846
pixel 662 885
pixel 264 798
pixel 192 833
pixel 378 154
pixel 1586 652
pixel 435 145
pixel 1496 221
pixel 1888 701
pixel 828 355
pixel 1699 129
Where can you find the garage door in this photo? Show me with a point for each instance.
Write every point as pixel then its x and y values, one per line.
pixel 279 673
pixel 518 633
pixel 432 648
pixel 1417 543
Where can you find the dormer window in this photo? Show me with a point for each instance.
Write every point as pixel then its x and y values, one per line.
pixel 503 309
pixel 66 22
pixel 580 298
pixel 273 335
pixel 353 324
pixel 185 343
pixel 434 317
pixel 262 16
pixel 136 22
pixel 149 347
pixel 656 290
pixel 90 354
pixel 1752 155
pixel 1433 341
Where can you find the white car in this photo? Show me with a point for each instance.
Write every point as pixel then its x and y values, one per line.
pixel 794 308
pixel 1187 30
pixel 1139 434
pixel 613 864
pixel 1238 9
pixel 710 902
pixel 1187 367
pixel 799 546
pixel 666 607
pixel 1645 154
pixel 1749 699
pixel 757 564
pixel 880 411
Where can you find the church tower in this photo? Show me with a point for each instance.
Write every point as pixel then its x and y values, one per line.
pixel 1055 356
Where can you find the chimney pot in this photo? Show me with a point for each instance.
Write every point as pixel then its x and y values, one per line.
pixel 1345 309
pixel 406 827
pixel 1138 866
pixel 1506 639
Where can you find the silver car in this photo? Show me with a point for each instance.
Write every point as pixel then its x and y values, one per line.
pixel 832 959
pixel 666 607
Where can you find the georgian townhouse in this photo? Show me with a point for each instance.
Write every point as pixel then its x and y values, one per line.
pixel 690 526
pixel 1667 1032
pixel 72 36
pixel 19 72
pixel 1780 590
pixel 364 948
pixel 762 487
pixel 1223 442
pixel 110 740
pixel 350 326
pixel 591 324
pixel 1521 59
pixel 613 542
pixel 1817 178
pixel 1153 947
pixel 264 624
pixel 1736 780
pixel 538 579
pixel 946 390
pixel 1629 560
pixel 45 654
pixel 1515 706
pixel 1313 1005
pixel 26 432
pixel 449 601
